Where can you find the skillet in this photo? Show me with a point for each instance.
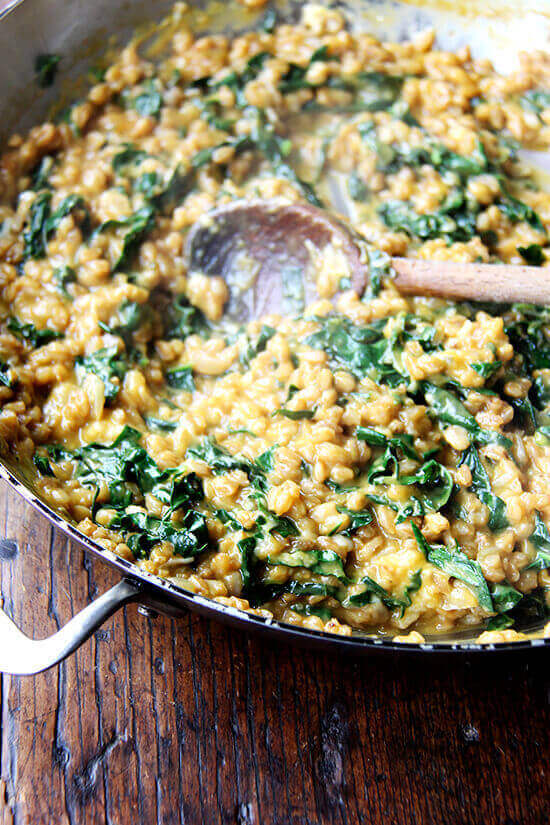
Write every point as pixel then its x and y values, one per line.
pixel 79 30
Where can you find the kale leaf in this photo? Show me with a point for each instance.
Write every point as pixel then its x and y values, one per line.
pixel 109 365
pixel 540 538
pixel 456 563
pixel 46 66
pixel 181 378
pixel 33 336
pixel 481 486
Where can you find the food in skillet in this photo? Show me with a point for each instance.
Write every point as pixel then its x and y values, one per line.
pixel 381 464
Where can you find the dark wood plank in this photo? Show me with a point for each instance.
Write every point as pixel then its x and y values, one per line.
pixel 171 722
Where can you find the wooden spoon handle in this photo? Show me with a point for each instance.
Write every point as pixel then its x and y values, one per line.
pixel 505 283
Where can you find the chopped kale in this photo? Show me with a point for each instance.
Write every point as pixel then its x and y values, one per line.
pixel 182 319
pixel 357 187
pixel 516 211
pixel 269 20
pixel 46 66
pixel 322 562
pixel 295 77
pixel 358 519
pixel 265 460
pixel 323 613
pixel 456 563
pixel 486 368
pixel 8 377
pixel 41 173
pixel 160 424
pixel 532 254
pixel 137 225
pixel 449 410
pixel 109 365
pixel 455 221
pixel 33 336
pixel 375 438
pixel 540 538
pixel 42 464
pixel 371 589
pixel 43 222
pixel 254 347
pixel 63 276
pixel 481 486
pixel 148 103
pixel 296 415
pixel 130 317
pixel 188 534
pixel 128 156
pixel 536 100
pixel 181 378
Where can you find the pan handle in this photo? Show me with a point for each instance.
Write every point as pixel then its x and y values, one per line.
pixel 20 655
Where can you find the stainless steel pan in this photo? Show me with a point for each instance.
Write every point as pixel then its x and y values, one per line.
pixel 79 30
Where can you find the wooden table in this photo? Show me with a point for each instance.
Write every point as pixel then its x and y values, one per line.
pixel 168 722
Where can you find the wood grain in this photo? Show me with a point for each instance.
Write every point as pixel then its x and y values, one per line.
pixel 507 283
pixel 170 722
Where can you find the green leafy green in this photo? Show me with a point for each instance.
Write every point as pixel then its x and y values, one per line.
pixel 246 548
pixel 481 486
pixel 46 66
pixel 8 378
pixel 33 336
pixel 371 589
pixel 269 20
pixel 148 103
pixel 517 211
pixel 181 378
pixel 42 464
pixel 188 534
pixel 130 317
pixel 295 77
pixel 160 424
pixel 486 368
pixel 505 597
pixel 324 613
pixel 182 319
pixel 371 92
pixel 449 410
pixel 357 188
pixel 109 365
pixel 265 460
pixel 139 224
pixel 358 519
pixel 322 562
pixel 540 538
pixel 254 347
pixel 122 464
pixel 401 441
pixel 63 276
pixel 527 330
pixel 533 254
pixel 456 563
pixel 296 415
pixel 128 156
pixel 43 222
pixel 455 221
pixel 434 483
pixel 41 173
pixel 536 100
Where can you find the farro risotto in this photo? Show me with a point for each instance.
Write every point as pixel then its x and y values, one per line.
pixel 373 462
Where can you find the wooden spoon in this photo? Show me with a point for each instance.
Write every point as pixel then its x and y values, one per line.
pixel 267 251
